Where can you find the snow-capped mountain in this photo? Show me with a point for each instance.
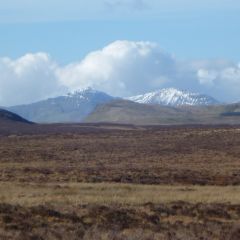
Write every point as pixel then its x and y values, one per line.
pixel 87 95
pixel 174 97
pixel 72 107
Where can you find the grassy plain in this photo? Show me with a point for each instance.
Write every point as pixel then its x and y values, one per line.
pixel 120 182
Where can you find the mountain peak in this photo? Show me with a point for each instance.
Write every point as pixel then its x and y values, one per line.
pixel 83 91
pixel 174 97
pixel 72 107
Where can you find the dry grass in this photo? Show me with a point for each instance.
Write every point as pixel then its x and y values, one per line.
pixel 201 156
pixel 89 184
pixel 105 193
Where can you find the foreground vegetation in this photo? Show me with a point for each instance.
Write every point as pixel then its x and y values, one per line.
pixel 120 183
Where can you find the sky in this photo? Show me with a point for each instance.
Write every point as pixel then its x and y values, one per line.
pixel 123 47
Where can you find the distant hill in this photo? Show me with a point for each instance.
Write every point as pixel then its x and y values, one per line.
pixel 9 117
pixel 70 108
pixel 124 111
pixel 174 97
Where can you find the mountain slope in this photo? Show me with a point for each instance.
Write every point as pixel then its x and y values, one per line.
pixel 127 112
pixel 174 97
pixel 71 108
pixel 9 117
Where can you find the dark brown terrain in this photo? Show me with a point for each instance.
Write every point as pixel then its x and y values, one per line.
pixel 162 221
pixel 109 181
pixel 152 155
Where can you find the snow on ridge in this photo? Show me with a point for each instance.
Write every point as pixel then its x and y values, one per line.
pixel 81 92
pixel 174 97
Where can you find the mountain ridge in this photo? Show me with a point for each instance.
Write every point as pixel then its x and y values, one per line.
pixel 174 97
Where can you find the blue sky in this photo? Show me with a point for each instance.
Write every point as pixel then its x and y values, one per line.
pixel 67 31
pixel 203 29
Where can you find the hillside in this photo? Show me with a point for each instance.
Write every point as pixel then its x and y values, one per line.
pixel 123 111
pixel 9 117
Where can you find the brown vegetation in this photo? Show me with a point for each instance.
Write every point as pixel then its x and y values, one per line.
pixel 93 182
pixel 178 220
pixel 181 155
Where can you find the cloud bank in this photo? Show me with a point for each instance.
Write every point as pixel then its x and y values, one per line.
pixel 122 68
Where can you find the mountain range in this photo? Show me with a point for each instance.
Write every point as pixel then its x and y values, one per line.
pixel 166 106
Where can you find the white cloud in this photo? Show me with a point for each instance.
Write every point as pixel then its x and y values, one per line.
pixel 206 77
pixel 122 68
pixel 222 82
pixel 27 79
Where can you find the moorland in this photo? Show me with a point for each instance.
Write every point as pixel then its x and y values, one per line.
pixel 112 181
